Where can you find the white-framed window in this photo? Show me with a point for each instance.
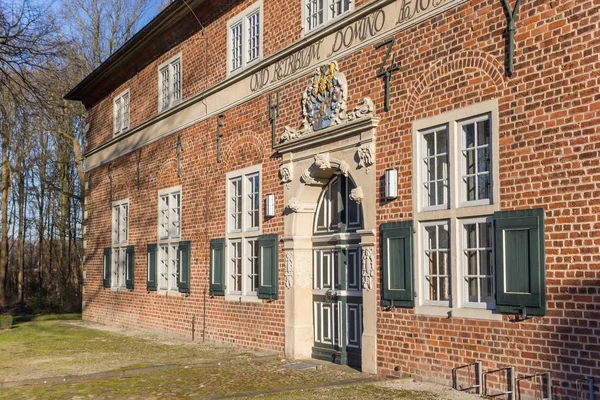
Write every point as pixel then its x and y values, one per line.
pixel 169 83
pixel 317 13
pixel 476 262
pixel 120 241
pixel 121 112
pixel 455 187
pixel 169 235
pixel 244 215
pixel 244 38
pixel 436 265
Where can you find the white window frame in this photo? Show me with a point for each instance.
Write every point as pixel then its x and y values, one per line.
pixel 463 200
pixel 167 278
pixel 242 19
pixel 457 212
pixel 120 114
pixel 119 244
pixel 170 66
pixel 424 265
pixel 328 14
pixel 463 267
pixel 246 235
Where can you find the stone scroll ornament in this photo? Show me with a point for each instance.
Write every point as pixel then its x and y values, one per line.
pixel 368 270
pixel 324 103
pixel 289 270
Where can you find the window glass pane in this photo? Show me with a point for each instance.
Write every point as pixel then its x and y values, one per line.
pixel 235 202
pixel 126 111
pixel 163 268
pixel 437 267
pixel 173 266
pixel 236 266
pixel 175 214
pixel 124 223
pixel 476 155
pixel 164 89
pixel 435 167
pixel 236 46
pixel 314 13
pixel 176 70
pixel 253 184
pixel 116 222
pixel 118 115
pixel 252 265
pixel 164 216
pixel 477 261
pixel 253 36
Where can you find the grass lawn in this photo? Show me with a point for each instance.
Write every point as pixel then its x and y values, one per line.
pixel 54 345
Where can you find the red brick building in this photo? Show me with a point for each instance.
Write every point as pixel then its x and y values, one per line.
pixel 405 186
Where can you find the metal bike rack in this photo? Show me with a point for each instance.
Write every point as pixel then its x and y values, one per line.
pixel 582 384
pixel 510 383
pixel 476 366
pixel 542 383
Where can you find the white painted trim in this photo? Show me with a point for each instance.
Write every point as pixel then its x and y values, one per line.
pixel 328 19
pixel 243 234
pixel 457 212
pixel 159 68
pixel 120 97
pixel 242 18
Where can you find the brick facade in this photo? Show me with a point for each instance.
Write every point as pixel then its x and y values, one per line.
pixel 549 148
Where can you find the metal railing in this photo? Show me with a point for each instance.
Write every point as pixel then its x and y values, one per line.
pixel 473 383
pixel 584 385
pixel 510 383
pixel 542 384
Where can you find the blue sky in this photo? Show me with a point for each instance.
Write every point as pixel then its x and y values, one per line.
pixel 154 8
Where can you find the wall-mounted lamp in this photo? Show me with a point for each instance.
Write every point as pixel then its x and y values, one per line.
pixel 391 184
pixel 270 205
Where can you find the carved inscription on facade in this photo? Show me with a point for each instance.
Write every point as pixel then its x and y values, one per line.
pixel 359 31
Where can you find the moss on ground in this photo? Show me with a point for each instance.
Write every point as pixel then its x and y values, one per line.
pixel 51 346
pixel 244 379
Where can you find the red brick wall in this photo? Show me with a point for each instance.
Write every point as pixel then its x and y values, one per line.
pixel 549 157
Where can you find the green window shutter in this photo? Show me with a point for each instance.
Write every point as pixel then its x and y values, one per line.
pixel 520 262
pixel 183 277
pixel 130 259
pixel 397 263
pixel 106 267
pixel 151 285
pixel 267 267
pixel 217 267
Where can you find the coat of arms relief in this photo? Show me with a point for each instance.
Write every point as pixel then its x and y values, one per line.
pixel 324 103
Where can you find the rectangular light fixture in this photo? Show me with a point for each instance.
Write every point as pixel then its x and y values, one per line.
pixel 270 205
pixel 391 183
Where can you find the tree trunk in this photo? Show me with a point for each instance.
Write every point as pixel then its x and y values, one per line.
pixel 5 194
pixel 20 234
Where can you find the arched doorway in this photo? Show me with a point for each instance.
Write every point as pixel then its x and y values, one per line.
pixel 337 289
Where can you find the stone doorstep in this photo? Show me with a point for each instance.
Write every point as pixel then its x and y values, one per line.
pixel 127 372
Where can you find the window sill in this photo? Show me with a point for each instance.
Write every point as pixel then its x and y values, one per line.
pixel 238 298
pixel 170 293
pixel 120 289
pixel 467 313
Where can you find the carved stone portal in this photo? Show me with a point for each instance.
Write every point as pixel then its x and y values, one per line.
pixel 286 173
pixel 322 161
pixel 368 271
pixel 294 204
pixel 357 195
pixel 289 269
pixel 365 157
